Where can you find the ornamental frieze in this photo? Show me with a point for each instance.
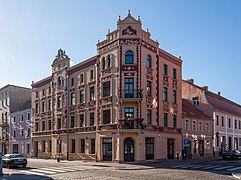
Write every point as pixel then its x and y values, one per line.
pixel 107 127
pixel 128 68
pixel 81 106
pixel 106 78
pixel 129 41
pixel 148 46
pixel 169 58
pixel 106 72
pixel 91 103
pixel 129 31
pixel 92 83
pixel 106 100
pixel 108 46
pixel 129 74
pixel 149 77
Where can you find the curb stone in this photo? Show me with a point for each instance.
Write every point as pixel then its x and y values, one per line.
pixel 236 176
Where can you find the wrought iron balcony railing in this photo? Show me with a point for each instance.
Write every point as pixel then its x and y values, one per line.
pixel 131 93
pixel 130 123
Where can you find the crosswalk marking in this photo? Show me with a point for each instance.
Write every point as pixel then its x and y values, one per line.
pixel 211 167
pixel 42 171
pixel 51 169
pixel 234 169
pixel 224 167
pixel 33 173
pixel 200 166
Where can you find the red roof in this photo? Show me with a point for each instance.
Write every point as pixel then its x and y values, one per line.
pixel 188 109
pixel 220 103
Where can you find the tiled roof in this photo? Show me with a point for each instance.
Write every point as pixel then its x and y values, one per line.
pixel 220 103
pixel 188 109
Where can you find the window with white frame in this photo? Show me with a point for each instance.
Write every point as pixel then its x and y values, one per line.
pixel 194 125
pixel 186 124
pixel 200 124
pixel 207 127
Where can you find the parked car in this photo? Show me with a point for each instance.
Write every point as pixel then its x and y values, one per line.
pixel 13 160
pixel 233 154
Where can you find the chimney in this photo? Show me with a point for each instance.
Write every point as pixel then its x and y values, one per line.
pixel 219 93
pixel 190 81
pixel 205 87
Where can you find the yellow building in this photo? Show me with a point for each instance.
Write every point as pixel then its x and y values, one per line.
pixel 124 104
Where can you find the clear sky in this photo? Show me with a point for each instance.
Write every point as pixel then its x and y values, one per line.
pixel 207 34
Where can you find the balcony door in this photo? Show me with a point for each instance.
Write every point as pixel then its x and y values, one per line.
pixel 129 87
pixel 129 112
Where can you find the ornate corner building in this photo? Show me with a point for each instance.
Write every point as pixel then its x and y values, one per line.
pixel 124 104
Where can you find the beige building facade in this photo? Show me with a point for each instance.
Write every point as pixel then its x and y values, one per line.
pixel 124 104
pixel 226 115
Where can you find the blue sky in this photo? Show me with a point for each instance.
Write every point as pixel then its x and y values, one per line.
pixel 207 34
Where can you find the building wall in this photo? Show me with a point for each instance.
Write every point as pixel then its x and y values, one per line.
pixel 113 136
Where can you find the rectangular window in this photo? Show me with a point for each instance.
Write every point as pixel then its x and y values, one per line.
pixel 72 98
pixel 149 89
pixel 165 70
pixel 174 96
pixel 91 74
pixel 22 117
pixel 22 132
pixel 235 123
pixel 49 105
pixel 72 81
pixel 14 119
pixel 106 89
pixel 194 125
pixel 229 122
pixel 14 133
pixel 82 96
pixel 149 116
pixel 165 120
pixel 92 150
pixel 36 127
pixel 36 108
pixel 59 102
pixel 43 125
pixel 239 124
pixel 49 90
pixel 81 78
pixel 200 124
pixel 149 148
pixel 186 124
pixel 217 120
pixel 165 94
pixel 28 148
pixel 73 146
pixel 82 146
pixel 82 120
pixel 174 121
pixel 129 112
pixel 43 106
pixel 49 121
pixel 28 116
pixel 207 127
pixel 92 94
pixel 43 92
pixel 28 133
pixel 92 119
pixel 59 123
pixel 174 73
pixel 72 122
pixel 106 117
pixel 222 121
pixel 36 94
pixel 129 88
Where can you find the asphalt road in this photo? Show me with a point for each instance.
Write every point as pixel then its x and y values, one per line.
pixel 50 169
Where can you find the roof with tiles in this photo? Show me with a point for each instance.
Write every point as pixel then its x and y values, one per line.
pixel 188 109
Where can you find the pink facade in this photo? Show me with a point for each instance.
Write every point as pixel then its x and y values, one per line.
pixel 124 104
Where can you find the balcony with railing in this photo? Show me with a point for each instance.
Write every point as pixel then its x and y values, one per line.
pixel 130 123
pixel 130 94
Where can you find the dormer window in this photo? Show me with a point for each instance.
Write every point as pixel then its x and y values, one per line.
pixel 148 61
pixel 129 57
pixel 195 101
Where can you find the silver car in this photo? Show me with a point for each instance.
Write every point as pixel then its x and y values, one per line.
pixel 13 160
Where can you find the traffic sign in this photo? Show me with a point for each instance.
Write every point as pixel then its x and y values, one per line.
pixel 59 141
pixel 186 143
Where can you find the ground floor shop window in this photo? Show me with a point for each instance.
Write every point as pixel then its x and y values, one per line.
pixel 50 146
pixel 73 146
pixel 149 148
pixel 43 146
pixel 15 148
pixel 28 148
pixel 92 151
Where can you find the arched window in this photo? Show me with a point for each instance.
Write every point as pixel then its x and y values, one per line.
pixel 103 63
pixel 108 61
pixel 148 61
pixel 129 57
pixel 59 81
